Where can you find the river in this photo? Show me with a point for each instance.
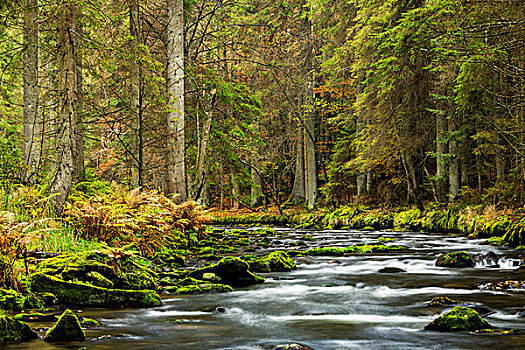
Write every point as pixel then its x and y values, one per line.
pixel 327 303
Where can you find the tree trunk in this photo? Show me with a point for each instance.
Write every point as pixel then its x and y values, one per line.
pixel 441 151
pixel 360 125
pixel 203 147
pixel 176 178
pixel 79 170
pixel 61 176
pixel 136 146
pixel 256 196
pixel 298 192
pixel 453 171
pixel 236 191
pixel 33 123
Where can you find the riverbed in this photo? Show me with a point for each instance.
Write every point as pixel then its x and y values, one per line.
pixel 328 302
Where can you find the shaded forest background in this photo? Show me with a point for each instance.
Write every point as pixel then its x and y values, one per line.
pixel 322 102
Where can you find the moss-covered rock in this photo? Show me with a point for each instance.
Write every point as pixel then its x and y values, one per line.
pixel 455 260
pixel 206 288
pixel 12 330
pixel 498 332
pixel 36 317
pixel 324 251
pixel 232 271
pixel 124 269
pixel 504 285
pixel 458 319
pixel 277 261
pixel 391 270
pixel 442 301
pixel 66 329
pixel 90 323
pixel 83 294
pixel 372 248
pixel 11 300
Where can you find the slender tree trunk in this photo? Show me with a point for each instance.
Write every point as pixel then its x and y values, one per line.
pixel 61 176
pixel 236 191
pixel 136 146
pixel 203 147
pixel 441 151
pixel 256 196
pixel 453 171
pixel 33 123
pixel 79 170
pixel 176 178
pixel 360 126
pixel 310 163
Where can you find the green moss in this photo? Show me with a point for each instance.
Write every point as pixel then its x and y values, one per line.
pixel 66 329
pixel 277 261
pixel 385 239
pixel 458 319
pixel 90 323
pixel 98 280
pixel 12 330
pixel 36 317
pixel 307 237
pixel 324 251
pixel 497 332
pixel 208 288
pixel 372 248
pixel 11 300
pixel 455 260
pixel 232 271
pixel 496 241
pixel 83 294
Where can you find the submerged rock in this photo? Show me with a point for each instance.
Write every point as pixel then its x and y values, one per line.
pixel 455 260
pixel 458 319
pixel 293 346
pixel 497 332
pixel 83 294
pixel 206 288
pixel 391 270
pixel 12 330
pixel 66 329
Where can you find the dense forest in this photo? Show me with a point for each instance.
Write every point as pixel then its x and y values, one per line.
pixel 239 103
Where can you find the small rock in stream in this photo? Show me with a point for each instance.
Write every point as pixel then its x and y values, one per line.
pixel 293 346
pixel 391 270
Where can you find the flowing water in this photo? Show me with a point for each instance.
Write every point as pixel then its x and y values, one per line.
pixel 328 303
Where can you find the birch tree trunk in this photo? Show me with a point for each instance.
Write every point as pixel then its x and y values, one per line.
pixel 136 146
pixel 33 123
pixel 61 176
pixel 176 173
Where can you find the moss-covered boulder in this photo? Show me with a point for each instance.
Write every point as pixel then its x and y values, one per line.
pixel 90 323
pixel 232 271
pixel 458 319
pixel 66 329
pixel 206 288
pixel 325 251
pixel 373 248
pixel 455 260
pixel 11 300
pixel 274 262
pixel 87 295
pixel 12 330
pixel 108 268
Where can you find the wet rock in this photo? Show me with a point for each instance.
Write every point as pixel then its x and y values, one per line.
pixel 90 323
pixel 325 251
pixel 372 248
pixel 391 270
pixel 293 346
pixel 458 319
pixel 12 330
pixel 11 300
pixel 442 301
pixel 66 329
pixel 37 317
pixel 232 271
pixel 83 294
pixel 220 309
pixel 504 285
pixel 277 261
pixel 498 332
pixel 455 260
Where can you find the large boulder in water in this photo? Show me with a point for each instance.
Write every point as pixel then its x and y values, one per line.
pixel 12 330
pixel 455 260
pixel 67 328
pixel 87 295
pixel 458 319
pixel 277 261
pixel 232 271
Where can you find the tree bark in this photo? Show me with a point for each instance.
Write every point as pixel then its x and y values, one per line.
pixel 33 123
pixel 298 192
pixel 79 170
pixel 176 178
pixel 453 171
pixel 136 146
pixel 361 180
pixel 236 191
pixel 61 176
pixel 203 147
pixel 441 151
